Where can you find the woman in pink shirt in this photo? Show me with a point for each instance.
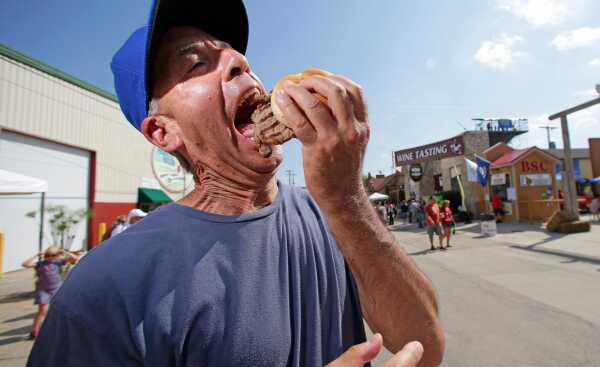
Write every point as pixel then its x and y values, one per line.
pixel 49 280
pixel 447 222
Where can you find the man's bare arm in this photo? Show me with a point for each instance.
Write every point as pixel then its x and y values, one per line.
pixel 397 299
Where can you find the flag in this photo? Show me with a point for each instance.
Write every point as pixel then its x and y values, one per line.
pixel 483 170
pixel 471 170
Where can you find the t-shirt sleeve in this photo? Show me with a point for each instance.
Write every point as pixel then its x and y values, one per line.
pixel 66 342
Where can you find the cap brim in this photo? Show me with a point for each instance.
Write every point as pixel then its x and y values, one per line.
pixel 224 19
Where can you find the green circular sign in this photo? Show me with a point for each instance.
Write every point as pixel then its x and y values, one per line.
pixel 169 172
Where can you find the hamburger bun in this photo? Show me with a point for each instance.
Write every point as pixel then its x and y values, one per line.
pixel 294 78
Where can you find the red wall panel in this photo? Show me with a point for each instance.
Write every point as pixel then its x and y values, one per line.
pixel 106 213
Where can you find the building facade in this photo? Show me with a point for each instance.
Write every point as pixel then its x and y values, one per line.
pixel 72 134
pixel 443 168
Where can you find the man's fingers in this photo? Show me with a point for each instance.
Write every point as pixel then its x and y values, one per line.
pixel 303 129
pixel 355 92
pixel 338 99
pixel 359 354
pixel 318 113
pixel 409 356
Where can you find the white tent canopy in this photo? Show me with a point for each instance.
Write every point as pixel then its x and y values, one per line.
pixel 16 183
pixel 377 196
pixel 12 183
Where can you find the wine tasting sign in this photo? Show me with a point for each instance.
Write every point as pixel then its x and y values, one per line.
pixel 430 152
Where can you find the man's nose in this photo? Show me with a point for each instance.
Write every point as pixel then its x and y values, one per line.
pixel 235 64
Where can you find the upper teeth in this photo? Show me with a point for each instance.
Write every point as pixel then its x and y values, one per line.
pixel 249 95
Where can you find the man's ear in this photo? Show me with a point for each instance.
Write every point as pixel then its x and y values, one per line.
pixel 162 132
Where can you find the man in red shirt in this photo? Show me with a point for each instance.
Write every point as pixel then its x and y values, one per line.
pixel 497 205
pixel 432 221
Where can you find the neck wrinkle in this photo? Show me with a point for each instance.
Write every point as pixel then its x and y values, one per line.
pixel 216 194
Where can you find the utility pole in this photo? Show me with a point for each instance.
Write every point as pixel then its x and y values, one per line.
pixel 571 206
pixel 548 128
pixel 290 175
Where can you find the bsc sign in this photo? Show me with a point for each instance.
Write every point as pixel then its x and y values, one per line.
pixel 416 172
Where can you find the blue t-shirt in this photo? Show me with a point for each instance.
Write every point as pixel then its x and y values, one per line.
pixel 189 288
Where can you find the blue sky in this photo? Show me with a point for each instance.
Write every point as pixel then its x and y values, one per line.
pixel 425 66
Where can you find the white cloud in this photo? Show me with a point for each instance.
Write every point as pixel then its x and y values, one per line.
pixel 582 126
pixel 536 12
pixel 589 93
pixel 430 64
pixel 580 37
pixel 594 62
pixel 498 54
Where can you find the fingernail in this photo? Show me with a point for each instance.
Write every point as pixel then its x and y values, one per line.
pixel 374 339
pixel 415 346
pixel 287 84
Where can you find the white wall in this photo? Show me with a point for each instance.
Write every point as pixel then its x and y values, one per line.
pixel 67 171
pixel 42 105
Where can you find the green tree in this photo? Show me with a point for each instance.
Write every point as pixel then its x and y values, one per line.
pixel 63 223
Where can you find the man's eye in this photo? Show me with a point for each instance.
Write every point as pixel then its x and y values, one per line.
pixel 198 64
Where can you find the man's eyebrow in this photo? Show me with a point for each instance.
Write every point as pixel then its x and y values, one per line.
pixel 191 48
pixel 196 46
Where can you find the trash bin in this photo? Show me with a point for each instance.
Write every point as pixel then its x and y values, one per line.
pixel 488 225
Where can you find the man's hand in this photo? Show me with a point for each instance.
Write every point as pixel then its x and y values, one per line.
pixel 363 353
pixel 333 136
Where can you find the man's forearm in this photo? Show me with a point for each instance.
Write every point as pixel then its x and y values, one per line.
pixel 397 299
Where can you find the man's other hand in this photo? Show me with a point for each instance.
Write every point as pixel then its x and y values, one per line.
pixel 365 352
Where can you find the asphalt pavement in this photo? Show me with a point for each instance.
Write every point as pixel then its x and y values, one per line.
pixel 521 298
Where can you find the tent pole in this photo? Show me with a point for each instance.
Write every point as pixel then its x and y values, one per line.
pixel 42 208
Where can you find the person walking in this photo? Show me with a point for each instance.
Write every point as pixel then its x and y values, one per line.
pixel 382 212
pixel 497 206
pixel 447 222
pixel 432 222
pixel 421 213
pixel 412 211
pixel 134 216
pixel 404 211
pixel 595 207
pixel 390 213
pixel 116 227
pixel 49 280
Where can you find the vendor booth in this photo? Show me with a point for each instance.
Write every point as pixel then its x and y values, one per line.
pixel 526 182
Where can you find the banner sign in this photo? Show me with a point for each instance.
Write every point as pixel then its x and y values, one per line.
pixel 483 170
pixel 430 152
pixel 542 179
pixel 416 172
pixel 498 179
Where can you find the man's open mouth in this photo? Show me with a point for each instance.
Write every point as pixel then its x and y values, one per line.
pixel 243 122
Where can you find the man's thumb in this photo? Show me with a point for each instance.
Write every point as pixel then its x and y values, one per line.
pixel 359 354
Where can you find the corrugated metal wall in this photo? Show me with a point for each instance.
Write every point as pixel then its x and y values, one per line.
pixel 42 105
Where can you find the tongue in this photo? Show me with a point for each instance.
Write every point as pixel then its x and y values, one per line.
pixel 246 129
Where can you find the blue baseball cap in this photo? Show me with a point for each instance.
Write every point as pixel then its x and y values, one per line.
pixel 132 64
